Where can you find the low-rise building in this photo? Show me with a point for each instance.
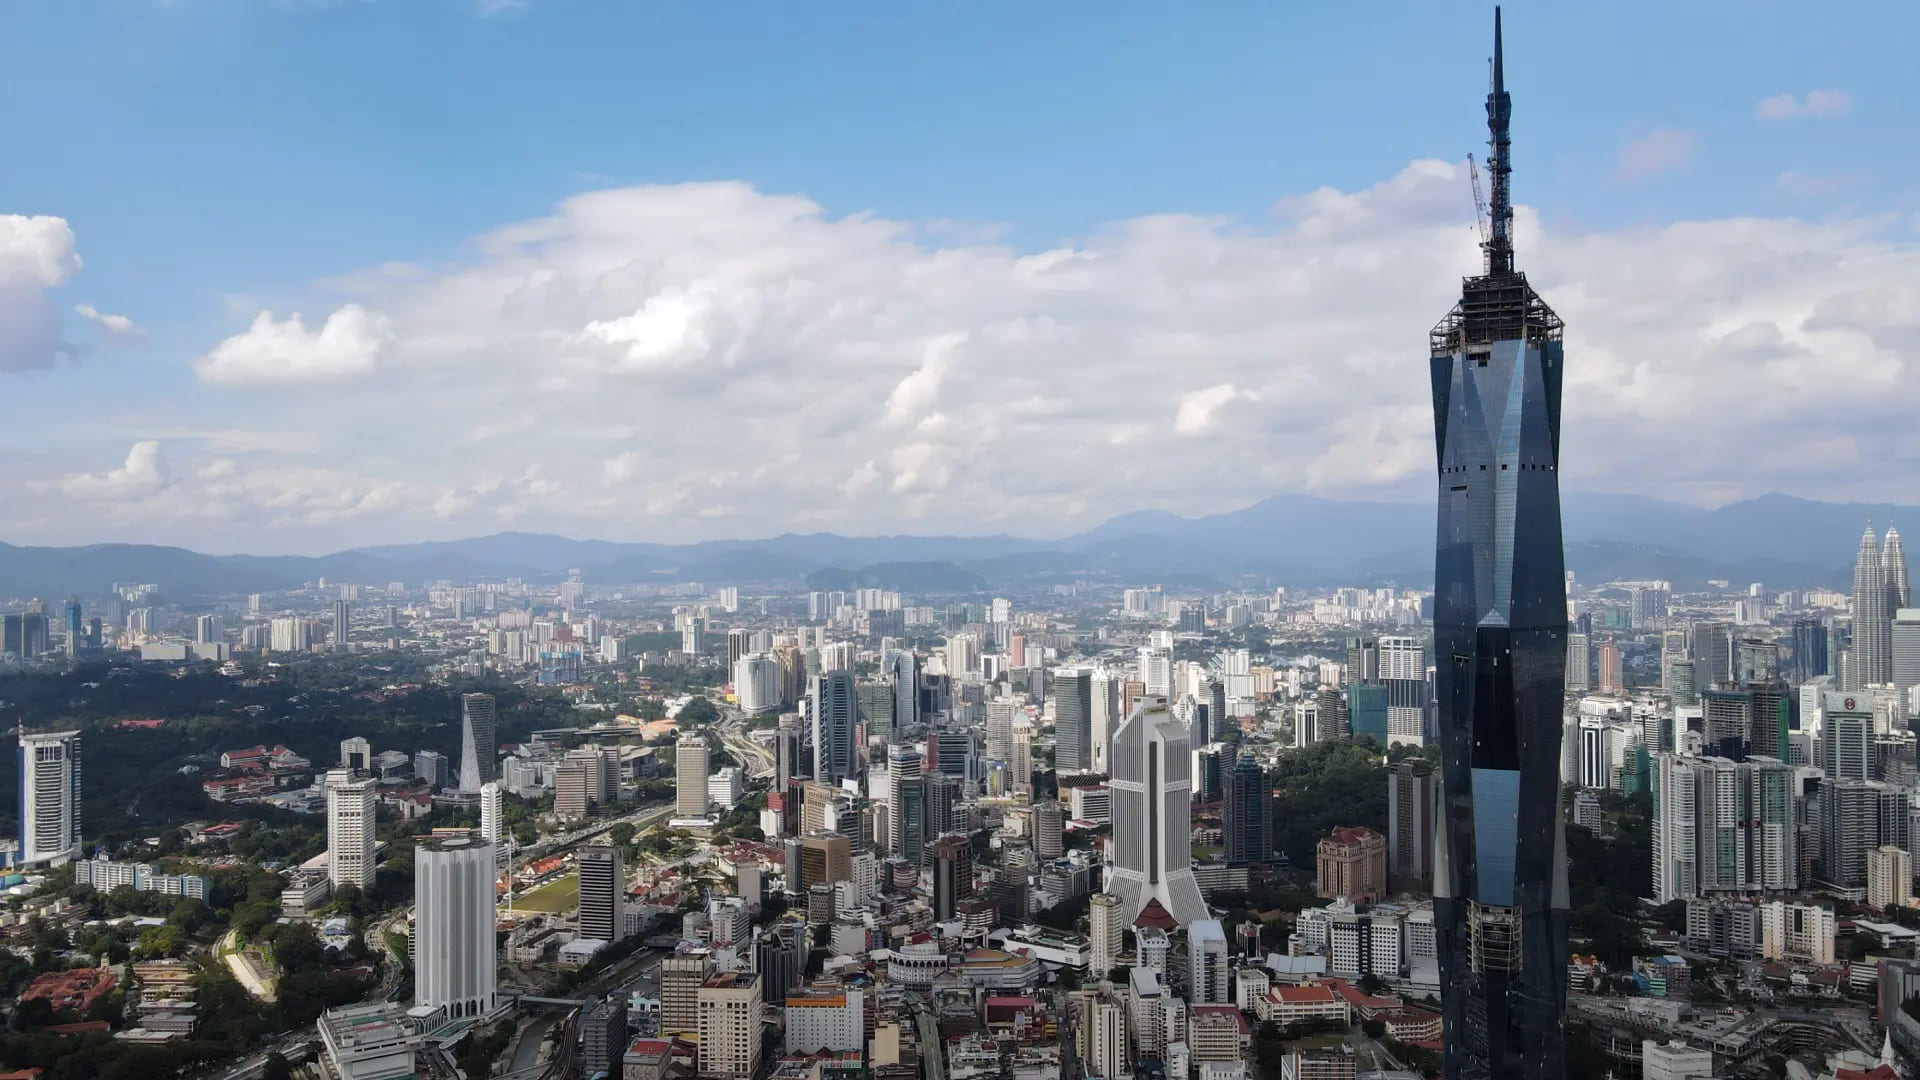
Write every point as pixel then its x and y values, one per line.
pixel 369 1042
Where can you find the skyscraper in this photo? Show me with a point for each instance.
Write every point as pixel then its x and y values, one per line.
pixel 1073 721
pixel 1410 820
pixel 478 760
pixel 834 707
pixel 1872 618
pixel 493 818
pixel 1500 647
pixel 456 961
pixel 1893 566
pixel 603 893
pixel 906 804
pixel 952 873
pixel 49 797
pixel 906 689
pixel 1208 975
pixel 1151 867
pixel 690 778
pixel 1247 812
pixel 342 624
pixel 1104 923
pixel 350 828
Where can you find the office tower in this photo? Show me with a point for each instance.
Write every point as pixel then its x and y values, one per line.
pixel 603 893
pixel 1207 963
pixel 574 785
pixel 1102 1035
pixel 1200 723
pixel 1331 723
pixel 76 631
pixel 1728 721
pixel 833 708
pixel 1905 638
pixel 1106 918
pixel 1809 650
pixel 1073 721
pixel 1049 822
pixel 1579 664
pixel 681 977
pixel 1893 566
pixel 1872 618
pixel 1151 865
pixel 1246 814
pixel 825 859
pixel 479 762
pixel 49 797
pixel 455 959
pixel 1849 829
pixel 1612 679
pixel 342 621
pixel 728 1022
pixel 1351 862
pixel 1156 671
pixel 950 751
pixel 206 629
pixel 1363 660
pixel 1500 645
pixel 876 702
pixel 1756 661
pixel 356 754
pixel 1020 764
pixel 604 1036
pixel 1846 743
pixel 493 818
pixel 906 804
pixel 690 797
pixel 739 642
pixel 779 957
pixel 1674 829
pixel 756 683
pixel 1411 805
pixel 1367 712
pixel 952 874
pixel 942 797
pixel 906 690
pixel 350 829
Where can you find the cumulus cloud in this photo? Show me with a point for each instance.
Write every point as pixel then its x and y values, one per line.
pixel 1662 150
pixel 112 327
pixel 1196 412
pixel 1789 106
pixel 854 374
pixel 348 345
pixel 36 254
pixel 143 473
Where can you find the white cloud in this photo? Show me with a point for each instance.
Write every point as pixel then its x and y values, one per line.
pixel 143 473
pixel 347 346
pixel 114 327
pixel 1812 185
pixel 1662 150
pixel 1816 103
pixel 1197 409
pixel 824 395
pixel 36 254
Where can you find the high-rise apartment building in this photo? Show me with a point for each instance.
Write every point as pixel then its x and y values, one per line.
pixel 1246 812
pixel 1500 648
pixel 1073 720
pixel 455 959
pixel 342 624
pixel 681 977
pixel 906 804
pixel 493 818
pixel 1579 664
pixel 479 759
pixel 351 828
pixel 1106 919
pixel 690 761
pixel 603 893
pixel 49 797
pixel 1208 982
pixel 1889 877
pixel 1151 865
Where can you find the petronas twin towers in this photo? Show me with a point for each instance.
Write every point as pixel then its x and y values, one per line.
pixel 1879 591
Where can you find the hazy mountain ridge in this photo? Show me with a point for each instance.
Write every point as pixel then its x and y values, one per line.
pixel 1294 539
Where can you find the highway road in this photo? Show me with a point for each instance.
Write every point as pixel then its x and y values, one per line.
pixel 738 739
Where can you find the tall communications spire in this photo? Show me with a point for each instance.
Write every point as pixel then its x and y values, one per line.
pixel 1500 651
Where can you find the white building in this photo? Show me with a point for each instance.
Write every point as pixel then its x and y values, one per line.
pixel 350 828
pixel 727 787
pixel 829 1021
pixel 1207 957
pixel 1889 877
pixel 1796 932
pixel 690 778
pixel 493 818
pixel 455 960
pixel 1152 789
pixel 756 683
pixel 369 1042
pixel 49 797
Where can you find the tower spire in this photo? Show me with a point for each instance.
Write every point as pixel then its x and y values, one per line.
pixel 1500 140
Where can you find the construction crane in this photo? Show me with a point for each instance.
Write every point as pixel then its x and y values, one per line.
pixel 1479 200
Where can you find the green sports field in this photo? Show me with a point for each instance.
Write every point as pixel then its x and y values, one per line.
pixel 557 897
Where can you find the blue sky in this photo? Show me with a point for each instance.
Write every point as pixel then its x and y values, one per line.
pixel 214 158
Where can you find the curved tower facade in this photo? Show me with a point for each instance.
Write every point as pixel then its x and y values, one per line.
pixel 1872 660
pixel 1500 654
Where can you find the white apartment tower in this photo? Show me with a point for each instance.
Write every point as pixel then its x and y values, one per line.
pixel 49 797
pixel 350 828
pixel 455 961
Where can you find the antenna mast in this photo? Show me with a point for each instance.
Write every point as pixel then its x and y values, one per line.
pixel 1500 164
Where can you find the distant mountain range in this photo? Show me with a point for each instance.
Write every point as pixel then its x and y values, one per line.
pixel 1287 539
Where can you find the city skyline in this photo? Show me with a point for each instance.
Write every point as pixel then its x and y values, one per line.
pixel 188 406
